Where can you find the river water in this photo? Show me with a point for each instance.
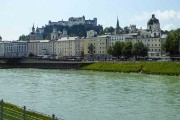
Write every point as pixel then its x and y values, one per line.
pixel 88 95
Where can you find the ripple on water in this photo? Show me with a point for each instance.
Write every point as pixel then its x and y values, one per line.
pixel 79 95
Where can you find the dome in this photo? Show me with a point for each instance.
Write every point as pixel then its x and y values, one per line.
pixel 153 20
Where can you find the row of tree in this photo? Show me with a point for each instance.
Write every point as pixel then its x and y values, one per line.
pixel 127 50
pixel 112 30
pixel 172 43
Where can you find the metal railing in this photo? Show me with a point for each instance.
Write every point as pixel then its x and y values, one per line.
pixel 8 113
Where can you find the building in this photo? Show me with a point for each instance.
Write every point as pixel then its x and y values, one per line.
pixel 95 48
pixel 91 33
pixel 36 34
pixel 153 26
pixel 0 38
pixel 14 48
pixel 153 44
pixel 19 48
pixel 33 47
pixel 54 34
pixel 40 48
pixel 115 38
pixel 150 37
pixel 75 21
pixel 2 49
pixel 132 29
pixel 65 47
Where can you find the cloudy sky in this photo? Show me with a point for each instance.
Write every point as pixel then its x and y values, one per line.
pixel 18 16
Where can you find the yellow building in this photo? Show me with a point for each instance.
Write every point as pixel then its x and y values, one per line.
pixel 95 48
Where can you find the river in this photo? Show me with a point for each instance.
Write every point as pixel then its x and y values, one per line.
pixel 88 95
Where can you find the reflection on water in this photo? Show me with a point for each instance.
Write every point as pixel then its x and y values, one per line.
pixel 87 95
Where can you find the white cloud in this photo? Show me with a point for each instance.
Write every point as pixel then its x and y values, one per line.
pixel 161 15
pixel 169 27
pixel 167 15
pixel 142 17
pixel 169 19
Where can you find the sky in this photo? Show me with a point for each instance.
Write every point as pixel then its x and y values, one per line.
pixel 18 16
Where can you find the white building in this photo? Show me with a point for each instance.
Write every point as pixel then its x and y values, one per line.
pixel 115 38
pixel 2 49
pixel 91 33
pixel 45 47
pixel 14 48
pixel 65 47
pixel 40 48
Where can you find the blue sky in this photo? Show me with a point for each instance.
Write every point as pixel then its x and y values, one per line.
pixel 18 16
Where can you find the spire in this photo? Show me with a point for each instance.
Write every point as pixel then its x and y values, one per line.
pixel 117 25
pixel 33 29
pixel 118 29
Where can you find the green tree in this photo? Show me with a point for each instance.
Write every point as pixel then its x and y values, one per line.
pixel 117 49
pixel 128 49
pixel 110 50
pixel 101 32
pixel 109 30
pixel 24 37
pixel 126 29
pixel 172 42
pixel 139 50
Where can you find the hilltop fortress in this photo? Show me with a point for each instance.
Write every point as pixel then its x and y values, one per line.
pixel 75 21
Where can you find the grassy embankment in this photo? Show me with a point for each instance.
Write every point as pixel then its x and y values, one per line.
pixel 13 112
pixel 160 68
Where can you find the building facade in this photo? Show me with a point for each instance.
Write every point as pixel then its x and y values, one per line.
pixel 36 34
pixel 95 48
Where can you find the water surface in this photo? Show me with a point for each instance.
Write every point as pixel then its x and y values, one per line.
pixel 88 95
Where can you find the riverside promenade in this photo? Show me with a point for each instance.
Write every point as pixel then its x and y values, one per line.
pixel 43 63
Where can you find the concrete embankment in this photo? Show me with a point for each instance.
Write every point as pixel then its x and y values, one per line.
pixel 44 64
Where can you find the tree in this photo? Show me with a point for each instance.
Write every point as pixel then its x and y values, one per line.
pixel 171 44
pixel 24 38
pixel 126 29
pixel 101 32
pixel 127 49
pixel 117 49
pixel 139 49
pixel 109 30
pixel 110 50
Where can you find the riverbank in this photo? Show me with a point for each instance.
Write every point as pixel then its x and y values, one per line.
pixel 158 68
pixel 10 112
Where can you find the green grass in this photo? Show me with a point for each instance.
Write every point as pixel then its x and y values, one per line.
pixel 166 68
pixel 13 112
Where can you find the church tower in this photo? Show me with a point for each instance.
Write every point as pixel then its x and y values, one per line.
pixel 54 34
pixel 33 34
pixel 153 25
pixel 118 28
